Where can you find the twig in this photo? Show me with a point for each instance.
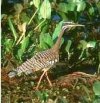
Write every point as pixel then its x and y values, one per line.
pixel 33 17
pixel 40 24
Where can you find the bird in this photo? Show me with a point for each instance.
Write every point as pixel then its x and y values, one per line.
pixel 43 60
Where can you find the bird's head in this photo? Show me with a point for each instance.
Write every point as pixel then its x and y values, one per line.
pixel 70 25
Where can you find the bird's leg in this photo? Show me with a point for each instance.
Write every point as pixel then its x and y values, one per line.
pixel 41 78
pixel 48 79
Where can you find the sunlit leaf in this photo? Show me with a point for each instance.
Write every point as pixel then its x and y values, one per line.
pixel 96 88
pixel 63 7
pixel 42 95
pixel 91 11
pixel 81 6
pixel 79 3
pixel 12 28
pixel 8 44
pixel 45 9
pixel 63 16
pixel 22 28
pixel 3 15
pixel 98 5
pixel 36 3
pixel 45 40
pixel 84 44
pixel 24 17
pixel 97 100
pixel 91 44
pixel 57 31
pixel 18 8
pixel 68 45
pixel 24 45
pixel 72 1
pixel 48 39
pixel 71 6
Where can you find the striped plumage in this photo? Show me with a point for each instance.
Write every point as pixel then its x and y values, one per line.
pixel 44 59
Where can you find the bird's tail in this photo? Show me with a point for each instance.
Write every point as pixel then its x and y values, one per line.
pixel 12 73
pixel 18 72
pixel 26 68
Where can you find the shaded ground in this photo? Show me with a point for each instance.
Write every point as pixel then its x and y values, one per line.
pixel 76 87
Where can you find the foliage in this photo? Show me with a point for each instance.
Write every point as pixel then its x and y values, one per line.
pixel 96 89
pixel 44 14
pixel 34 25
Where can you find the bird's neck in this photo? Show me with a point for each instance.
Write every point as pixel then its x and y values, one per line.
pixel 58 42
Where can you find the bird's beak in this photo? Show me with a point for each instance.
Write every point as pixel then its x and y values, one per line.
pixel 70 25
pixel 74 25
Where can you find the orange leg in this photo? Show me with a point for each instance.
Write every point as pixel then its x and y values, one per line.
pixel 40 79
pixel 48 79
pixel 44 73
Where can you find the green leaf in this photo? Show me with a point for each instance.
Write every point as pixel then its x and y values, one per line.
pixel 73 3
pixel 24 17
pixel 48 39
pixel 91 11
pixel 98 6
pixel 91 44
pixel 8 43
pixel 84 44
pixel 57 30
pixel 63 15
pixel 96 88
pixel 68 45
pixel 71 6
pixel 45 9
pixel 36 3
pixel 63 7
pixel 24 45
pixel 81 6
pixel 3 15
pixel 97 100
pixel 12 28
pixel 45 40
pixel 18 7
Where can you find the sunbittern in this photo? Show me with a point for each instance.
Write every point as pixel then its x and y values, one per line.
pixel 43 60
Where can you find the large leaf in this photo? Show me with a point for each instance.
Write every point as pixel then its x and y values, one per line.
pixel 48 39
pixel 81 6
pixel 12 28
pixel 84 44
pixel 24 17
pixel 45 40
pixel 79 3
pixel 8 43
pixel 68 45
pixel 24 45
pixel 57 31
pixel 63 7
pixel 68 48
pixel 18 8
pixel 71 6
pixel 91 44
pixel 96 88
pixel 45 9
pixel 91 11
pixel 36 3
